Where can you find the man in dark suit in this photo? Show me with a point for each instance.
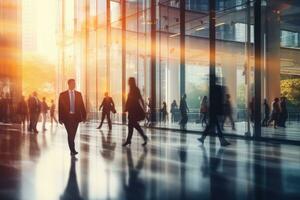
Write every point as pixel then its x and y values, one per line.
pixel 34 106
pixel 71 112
pixel 107 106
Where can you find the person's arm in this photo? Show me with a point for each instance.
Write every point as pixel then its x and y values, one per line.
pixel 60 109
pixel 82 108
pixel 101 105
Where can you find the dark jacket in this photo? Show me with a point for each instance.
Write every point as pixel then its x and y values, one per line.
pixel 133 107
pixel 64 107
pixel 107 105
pixel 34 105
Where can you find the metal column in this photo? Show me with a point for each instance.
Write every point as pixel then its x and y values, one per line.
pixel 182 47
pixel 212 56
pixel 123 17
pixel 153 61
pixel 258 67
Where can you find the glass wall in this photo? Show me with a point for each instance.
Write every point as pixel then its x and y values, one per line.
pixel 168 41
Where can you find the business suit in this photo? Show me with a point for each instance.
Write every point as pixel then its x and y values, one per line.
pixel 34 106
pixel 71 112
pixel 107 106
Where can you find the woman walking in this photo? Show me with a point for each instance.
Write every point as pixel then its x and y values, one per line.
pixel 204 111
pixel 275 112
pixel 135 108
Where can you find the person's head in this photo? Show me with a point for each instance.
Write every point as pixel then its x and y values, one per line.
pixel 52 101
pixel 265 101
pixel 174 101
pixel 276 99
pixel 205 98
pixel 34 94
pixel 106 94
pixel 164 103
pixel 227 96
pixel 44 98
pixel 131 82
pixel 71 84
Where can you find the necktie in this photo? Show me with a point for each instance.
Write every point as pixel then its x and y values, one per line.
pixel 72 103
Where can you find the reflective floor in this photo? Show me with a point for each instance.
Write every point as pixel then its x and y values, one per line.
pixel 173 166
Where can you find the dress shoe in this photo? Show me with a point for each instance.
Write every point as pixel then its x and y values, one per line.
pixel 74 153
pixel 145 142
pixel 201 140
pixel 126 143
pixel 224 143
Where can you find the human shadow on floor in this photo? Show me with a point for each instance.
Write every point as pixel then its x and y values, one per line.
pixel 72 190
pixel 135 188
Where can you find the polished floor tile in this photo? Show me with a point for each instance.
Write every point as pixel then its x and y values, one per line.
pixel 173 166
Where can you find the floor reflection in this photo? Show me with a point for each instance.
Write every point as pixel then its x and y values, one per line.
pixel 173 166
pixel 135 187
pixel 72 190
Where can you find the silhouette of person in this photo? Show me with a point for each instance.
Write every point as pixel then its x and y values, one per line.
pixel 228 112
pixel 266 113
pixel 148 112
pixel 135 108
pixel 184 109
pixel 72 190
pixel 275 112
pixel 136 187
pixel 173 110
pixel 22 111
pixel 217 108
pixel 71 112
pixel 52 112
pixel 283 112
pixel 108 147
pixel 34 106
pixel 44 110
pixel 204 111
pixel 164 112
pixel 107 106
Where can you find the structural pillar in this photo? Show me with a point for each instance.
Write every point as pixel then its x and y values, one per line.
pixel 182 47
pixel 153 61
pixel 257 68
pixel 123 17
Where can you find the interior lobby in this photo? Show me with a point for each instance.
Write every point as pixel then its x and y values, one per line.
pixel 174 49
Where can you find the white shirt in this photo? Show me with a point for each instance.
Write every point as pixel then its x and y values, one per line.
pixel 72 101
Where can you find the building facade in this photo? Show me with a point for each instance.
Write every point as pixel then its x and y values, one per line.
pixel 176 47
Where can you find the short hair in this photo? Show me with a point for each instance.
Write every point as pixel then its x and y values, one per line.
pixel 70 81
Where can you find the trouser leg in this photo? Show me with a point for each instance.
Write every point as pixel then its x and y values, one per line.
pixel 102 119
pixel 71 128
pixel 109 121
pixel 130 131
pixel 140 130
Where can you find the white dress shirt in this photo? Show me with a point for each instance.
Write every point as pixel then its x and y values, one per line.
pixel 72 101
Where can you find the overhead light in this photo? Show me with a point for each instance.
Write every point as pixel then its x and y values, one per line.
pixel 174 35
pixel 201 28
pixel 219 24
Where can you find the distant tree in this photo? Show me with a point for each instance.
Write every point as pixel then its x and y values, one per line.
pixel 290 88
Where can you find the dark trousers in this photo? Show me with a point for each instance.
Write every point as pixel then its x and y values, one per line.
pixel 71 126
pixel 33 118
pixel 229 116
pixel 107 115
pixel 211 127
pixel 134 124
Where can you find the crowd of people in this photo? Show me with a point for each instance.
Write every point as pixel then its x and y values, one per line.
pixel 31 110
pixel 72 111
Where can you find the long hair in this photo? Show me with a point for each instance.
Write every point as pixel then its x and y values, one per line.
pixel 131 83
